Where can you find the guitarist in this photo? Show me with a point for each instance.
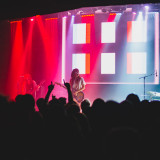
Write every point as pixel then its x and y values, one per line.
pixel 28 86
pixel 77 83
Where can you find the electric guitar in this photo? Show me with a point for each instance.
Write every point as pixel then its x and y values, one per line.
pixel 79 96
pixel 33 91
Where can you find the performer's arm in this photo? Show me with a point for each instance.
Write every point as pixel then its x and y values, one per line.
pixel 82 86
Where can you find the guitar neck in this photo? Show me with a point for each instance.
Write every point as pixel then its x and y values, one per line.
pixel 61 85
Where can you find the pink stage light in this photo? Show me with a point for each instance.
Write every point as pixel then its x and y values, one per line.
pixel 49 35
pixel 15 62
pixel 51 51
pixel 63 47
pixel 111 17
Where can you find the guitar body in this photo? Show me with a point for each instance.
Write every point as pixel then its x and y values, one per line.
pixel 79 97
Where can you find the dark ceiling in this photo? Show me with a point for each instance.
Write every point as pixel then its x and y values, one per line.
pixel 21 9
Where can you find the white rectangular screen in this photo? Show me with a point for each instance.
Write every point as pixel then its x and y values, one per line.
pixel 136 63
pixel 79 33
pixel 79 61
pixel 108 63
pixel 108 32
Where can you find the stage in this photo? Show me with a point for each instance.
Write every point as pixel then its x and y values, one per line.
pixel 116 49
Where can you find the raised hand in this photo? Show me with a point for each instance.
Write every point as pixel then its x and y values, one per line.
pixel 70 97
pixel 51 86
pixel 66 84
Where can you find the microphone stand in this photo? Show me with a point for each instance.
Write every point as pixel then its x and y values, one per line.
pixel 144 79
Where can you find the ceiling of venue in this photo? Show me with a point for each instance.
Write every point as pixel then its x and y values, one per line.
pixel 20 9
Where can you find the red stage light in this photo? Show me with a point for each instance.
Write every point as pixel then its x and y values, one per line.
pixel 16 21
pixel 88 15
pixel 50 18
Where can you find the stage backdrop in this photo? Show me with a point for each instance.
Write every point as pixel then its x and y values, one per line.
pixel 116 51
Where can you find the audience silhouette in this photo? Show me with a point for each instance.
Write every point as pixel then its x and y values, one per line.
pixel 105 129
